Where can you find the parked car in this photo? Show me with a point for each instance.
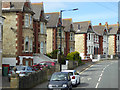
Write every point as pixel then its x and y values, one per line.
pixel 21 71
pixel 49 63
pixel 60 80
pixel 75 77
pixel 39 66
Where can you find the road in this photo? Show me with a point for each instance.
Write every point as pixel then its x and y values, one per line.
pixel 101 75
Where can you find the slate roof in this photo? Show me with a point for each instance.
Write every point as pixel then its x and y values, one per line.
pixel 99 29
pixel 113 29
pixel 16 6
pixel 67 24
pixel 83 26
pixel 37 8
pixel 52 19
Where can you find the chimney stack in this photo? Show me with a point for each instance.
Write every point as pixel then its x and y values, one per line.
pixel 100 24
pixel 106 24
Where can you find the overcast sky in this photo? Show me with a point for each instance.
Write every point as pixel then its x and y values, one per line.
pixel 96 12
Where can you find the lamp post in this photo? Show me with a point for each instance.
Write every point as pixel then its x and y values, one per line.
pixel 61 33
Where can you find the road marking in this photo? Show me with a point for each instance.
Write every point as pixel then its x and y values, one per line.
pixel 86 69
pixel 99 79
pixel 97 85
pixel 101 75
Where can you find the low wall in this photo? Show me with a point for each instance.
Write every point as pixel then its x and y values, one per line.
pixel 33 79
pixel 72 64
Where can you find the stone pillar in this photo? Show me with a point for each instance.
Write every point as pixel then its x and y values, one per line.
pixel 14 81
pixel 99 57
pixel 111 56
pixel 91 57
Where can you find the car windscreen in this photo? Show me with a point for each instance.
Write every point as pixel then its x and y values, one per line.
pixel 59 77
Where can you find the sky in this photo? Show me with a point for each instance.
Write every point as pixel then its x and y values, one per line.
pixel 96 12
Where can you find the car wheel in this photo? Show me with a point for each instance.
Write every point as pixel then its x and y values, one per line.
pixel 71 87
pixel 76 83
pixel 9 79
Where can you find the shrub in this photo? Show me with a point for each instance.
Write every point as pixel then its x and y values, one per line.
pixel 74 56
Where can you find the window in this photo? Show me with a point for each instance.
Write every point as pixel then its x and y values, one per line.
pixel 31 20
pixel 71 36
pixel 118 37
pixel 26 43
pixel 41 28
pixel 88 36
pixel 41 47
pixel 27 63
pixel 78 26
pixel 26 20
pixel 31 45
pixel 59 32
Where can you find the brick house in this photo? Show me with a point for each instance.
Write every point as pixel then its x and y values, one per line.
pixel 18 33
pixel 114 40
pixel 53 32
pixel 86 40
pixel 69 36
pixel 40 35
pixel 102 31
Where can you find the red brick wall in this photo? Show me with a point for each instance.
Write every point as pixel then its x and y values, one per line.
pixel 19 24
pixel 100 44
pixel 67 42
pixel 36 42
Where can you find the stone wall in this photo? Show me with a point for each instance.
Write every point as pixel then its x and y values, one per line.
pixel 111 45
pixel 33 79
pixel 9 35
pixel 49 45
pixel 80 44
pixel 72 64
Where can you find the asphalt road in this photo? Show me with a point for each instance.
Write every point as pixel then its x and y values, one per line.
pixel 101 75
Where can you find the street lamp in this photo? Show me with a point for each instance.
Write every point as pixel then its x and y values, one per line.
pixel 61 32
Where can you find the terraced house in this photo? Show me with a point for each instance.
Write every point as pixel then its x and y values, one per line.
pixel 40 35
pixel 87 40
pixel 69 36
pixel 18 32
pixel 114 40
pixel 102 31
pixel 54 32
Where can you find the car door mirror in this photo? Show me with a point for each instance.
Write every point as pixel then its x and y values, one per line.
pixel 78 74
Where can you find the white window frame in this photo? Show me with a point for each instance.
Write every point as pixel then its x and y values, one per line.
pixel 26 20
pixel 71 49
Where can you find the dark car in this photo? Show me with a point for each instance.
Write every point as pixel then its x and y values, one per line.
pixel 60 81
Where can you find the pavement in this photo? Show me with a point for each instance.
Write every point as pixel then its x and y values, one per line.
pixel 78 69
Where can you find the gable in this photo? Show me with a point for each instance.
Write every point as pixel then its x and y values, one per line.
pixel 90 30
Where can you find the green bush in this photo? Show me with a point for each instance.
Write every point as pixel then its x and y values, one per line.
pixel 74 56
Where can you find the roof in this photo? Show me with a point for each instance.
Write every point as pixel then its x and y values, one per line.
pixel 52 19
pixel 99 29
pixel 16 6
pixel 83 26
pixel 67 24
pixel 113 29
pixel 37 8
